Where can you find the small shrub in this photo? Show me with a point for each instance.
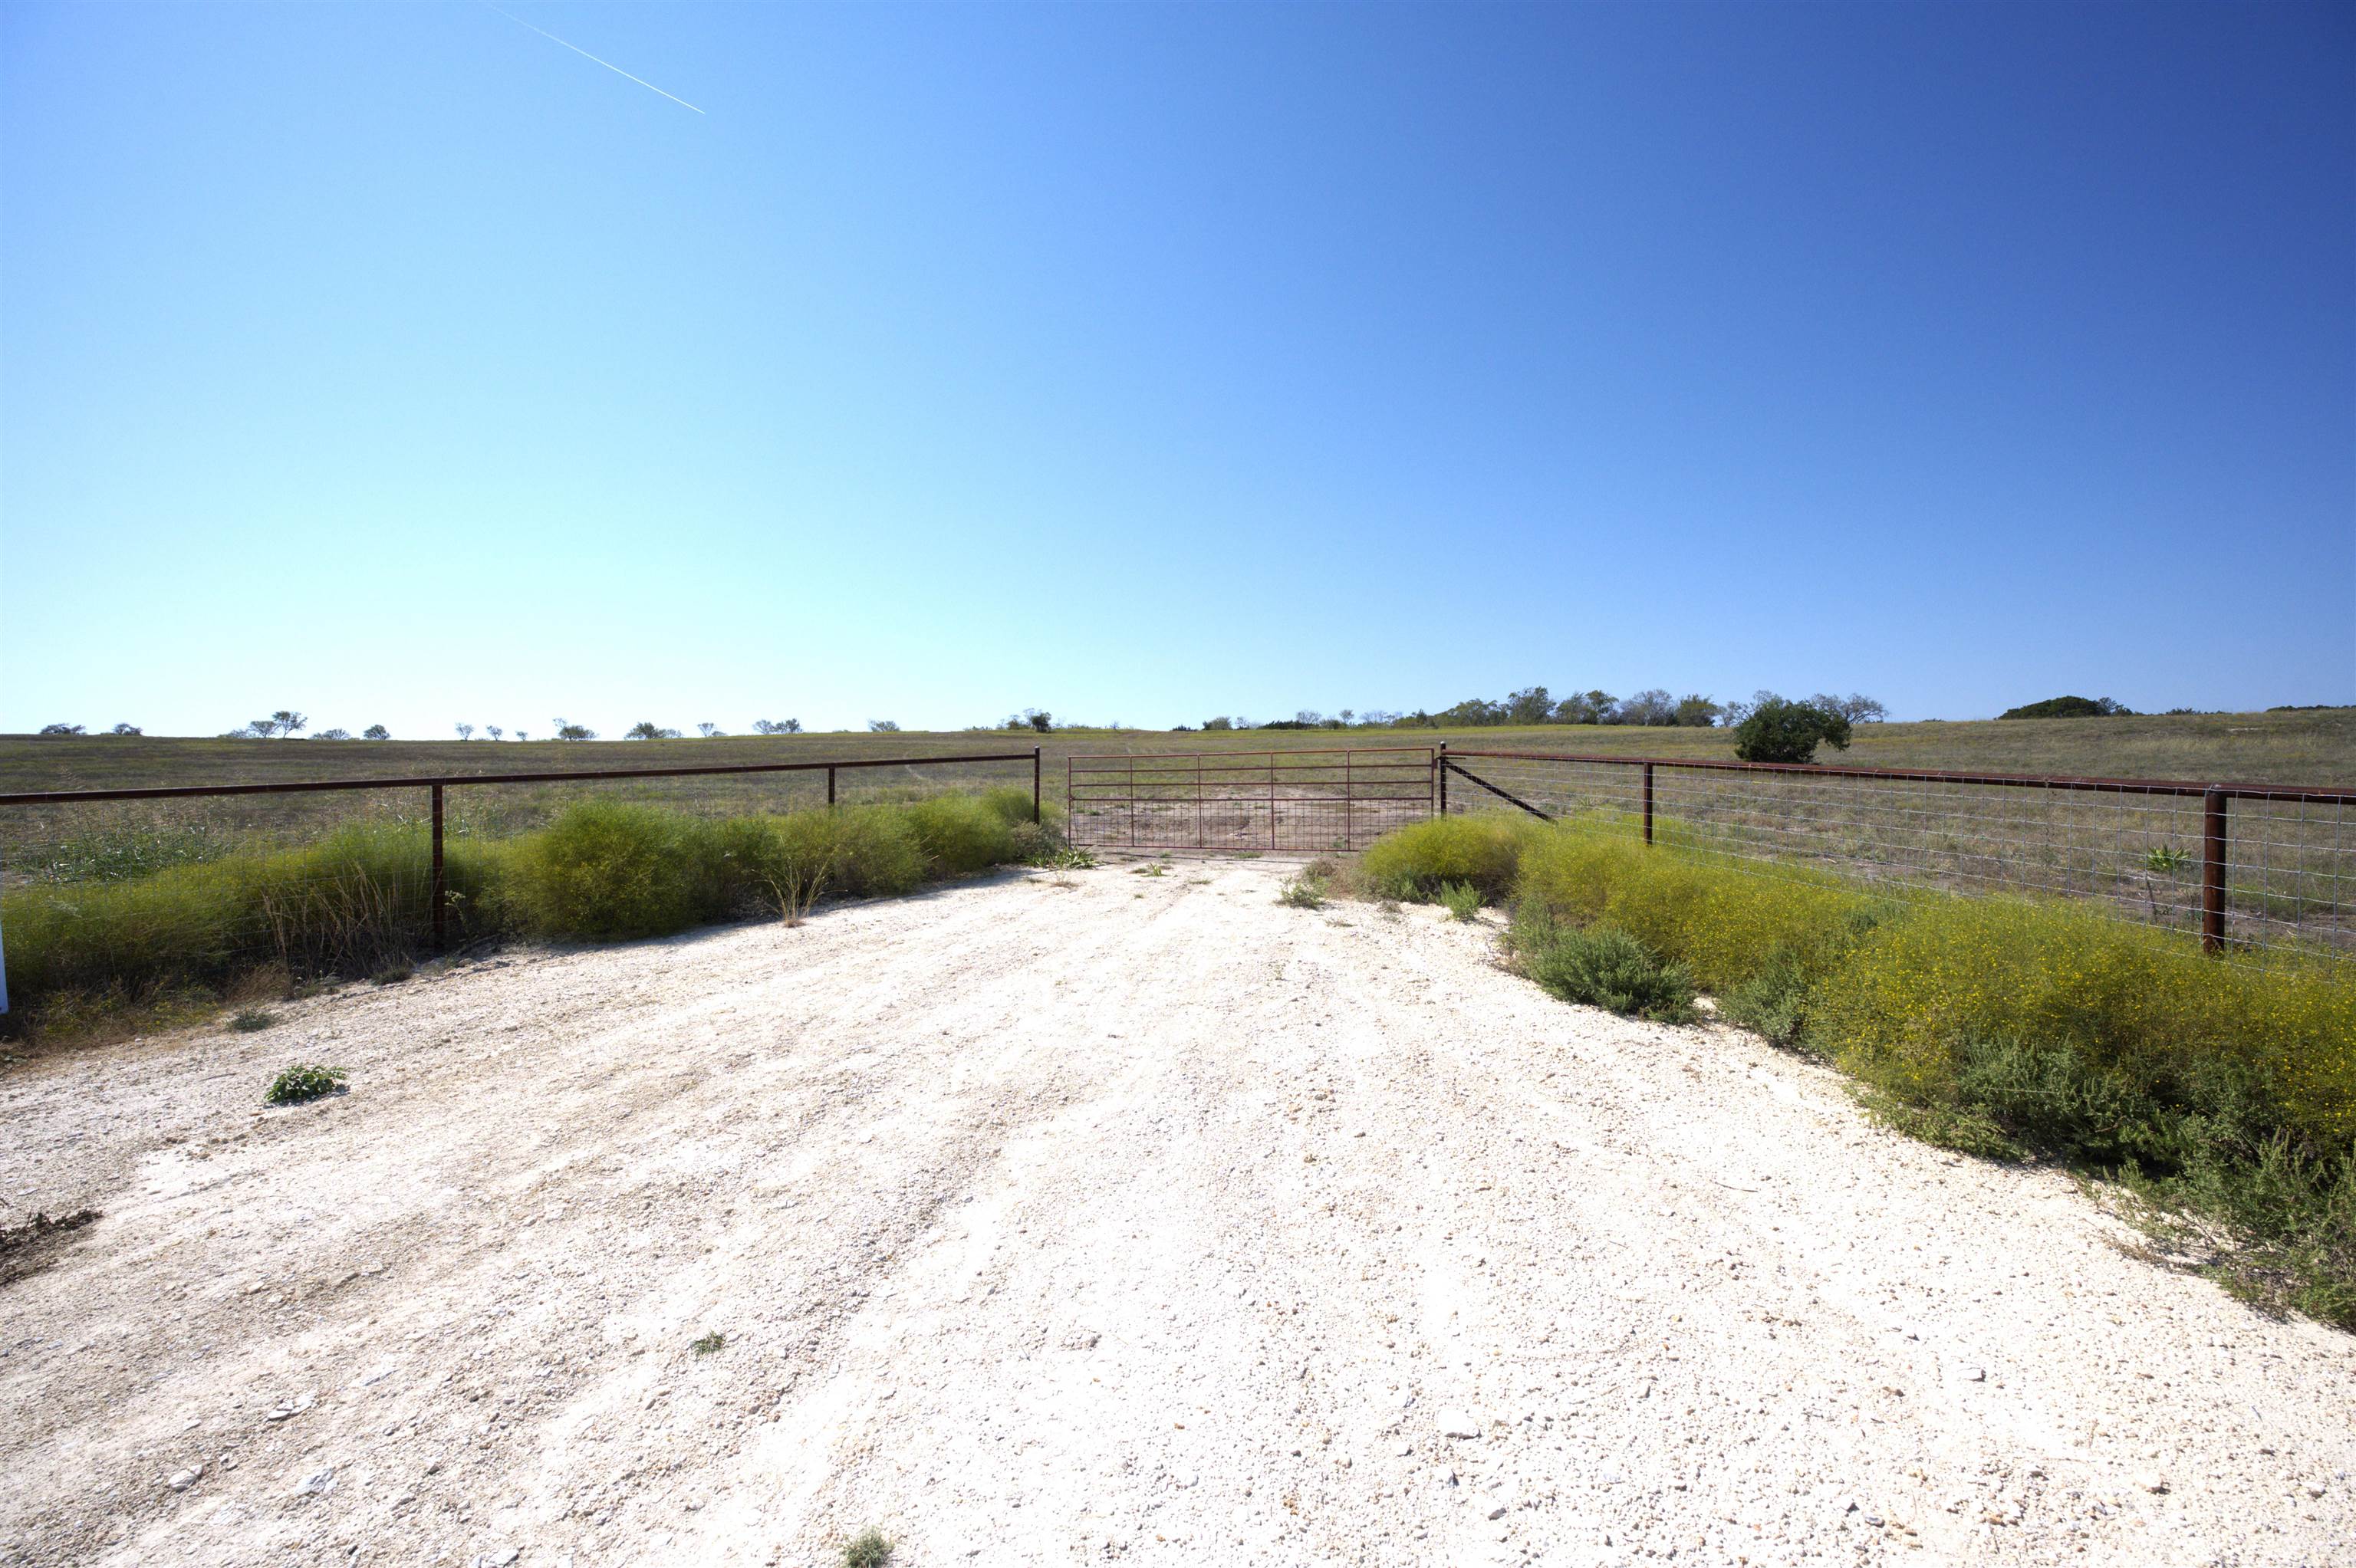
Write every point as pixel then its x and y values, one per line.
pixel 709 1344
pixel 1608 968
pixel 1461 900
pixel 962 835
pixel 252 1019
pixel 868 1549
pixel 1304 892
pixel 604 870
pixel 303 1082
pixel 1780 730
pixel 1484 851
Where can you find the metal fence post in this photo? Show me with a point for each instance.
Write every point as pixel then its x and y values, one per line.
pixel 830 788
pixel 1648 803
pixel 1440 768
pixel 440 899
pixel 2212 869
pixel 1035 816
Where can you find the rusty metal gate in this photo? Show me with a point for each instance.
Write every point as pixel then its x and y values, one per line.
pixel 1311 801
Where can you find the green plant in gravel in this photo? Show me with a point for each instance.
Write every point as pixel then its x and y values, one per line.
pixel 1605 967
pixel 1307 890
pixel 303 1082
pixel 1460 899
pixel 252 1019
pixel 868 1549
pixel 709 1344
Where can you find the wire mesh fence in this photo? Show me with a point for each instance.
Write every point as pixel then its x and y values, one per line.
pixel 1311 800
pixel 2246 865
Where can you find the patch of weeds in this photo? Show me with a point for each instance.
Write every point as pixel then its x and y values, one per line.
pixel 1246 855
pixel 252 1019
pixel 393 974
pixel 707 1344
pixel 1304 892
pixel 304 1081
pixel 1462 901
pixel 1156 869
pixel 1606 967
pixel 868 1549
pixel 1388 907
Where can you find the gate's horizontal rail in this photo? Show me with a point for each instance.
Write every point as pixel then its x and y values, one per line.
pixel 584 775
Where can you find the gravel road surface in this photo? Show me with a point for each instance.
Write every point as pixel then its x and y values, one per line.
pixel 1137 1218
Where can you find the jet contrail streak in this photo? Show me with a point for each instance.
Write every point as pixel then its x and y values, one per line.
pixel 584 54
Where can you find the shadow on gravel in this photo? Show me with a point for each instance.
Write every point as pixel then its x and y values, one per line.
pixel 29 1248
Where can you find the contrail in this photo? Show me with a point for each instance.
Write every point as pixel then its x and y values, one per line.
pixel 584 54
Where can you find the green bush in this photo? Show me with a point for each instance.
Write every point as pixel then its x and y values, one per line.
pixel 960 834
pixel 1461 900
pixel 1605 967
pixel 358 903
pixel 2221 1087
pixel 303 1082
pixel 1484 850
pixel 604 870
pixel 355 901
pixel 1780 730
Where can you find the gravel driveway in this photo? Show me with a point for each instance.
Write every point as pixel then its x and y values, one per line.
pixel 1140 1218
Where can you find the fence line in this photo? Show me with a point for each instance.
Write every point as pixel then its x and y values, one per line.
pixel 435 784
pixel 2280 872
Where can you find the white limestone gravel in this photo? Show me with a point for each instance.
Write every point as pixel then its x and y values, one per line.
pixel 1135 1219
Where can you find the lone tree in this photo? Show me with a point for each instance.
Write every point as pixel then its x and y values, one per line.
pixel 710 730
pixel 568 730
pixel 376 732
pixel 283 723
pixel 883 726
pixel 62 729
pixel 647 729
pixel 777 726
pixel 1778 730
pixel 465 731
pixel 126 730
pixel 494 731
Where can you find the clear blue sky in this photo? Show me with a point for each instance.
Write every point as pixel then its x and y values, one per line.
pixel 400 365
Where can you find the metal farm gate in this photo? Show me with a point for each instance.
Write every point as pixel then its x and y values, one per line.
pixel 1311 801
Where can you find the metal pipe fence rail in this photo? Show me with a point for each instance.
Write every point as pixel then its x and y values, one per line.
pixel 1311 800
pixel 2243 865
pixel 436 787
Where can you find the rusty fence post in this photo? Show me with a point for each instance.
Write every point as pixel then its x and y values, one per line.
pixel 1440 768
pixel 1035 816
pixel 440 897
pixel 2212 871
pixel 1648 803
pixel 830 788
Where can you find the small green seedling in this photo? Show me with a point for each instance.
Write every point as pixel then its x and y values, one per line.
pixel 303 1082
pixel 2167 860
pixel 252 1019
pixel 868 1549
pixel 707 1344
pixel 1304 892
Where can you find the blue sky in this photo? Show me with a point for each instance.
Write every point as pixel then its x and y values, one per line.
pixel 396 364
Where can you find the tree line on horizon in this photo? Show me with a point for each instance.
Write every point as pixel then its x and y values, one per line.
pixel 1535 705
